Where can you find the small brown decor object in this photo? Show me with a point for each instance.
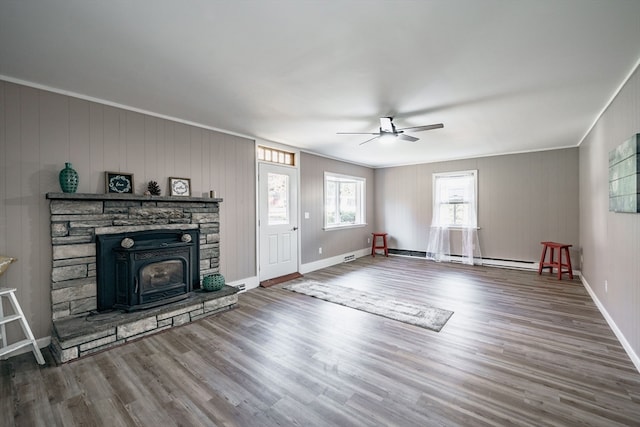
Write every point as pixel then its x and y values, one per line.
pixel 153 188
pixel 180 187
pixel 213 282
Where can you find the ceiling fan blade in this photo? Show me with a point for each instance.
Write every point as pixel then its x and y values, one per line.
pixel 421 128
pixel 358 133
pixel 409 138
pixel 369 140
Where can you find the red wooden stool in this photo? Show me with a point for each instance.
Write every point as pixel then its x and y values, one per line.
pixel 556 263
pixel 374 246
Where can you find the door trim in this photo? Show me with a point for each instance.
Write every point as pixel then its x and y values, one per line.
pixel 296 166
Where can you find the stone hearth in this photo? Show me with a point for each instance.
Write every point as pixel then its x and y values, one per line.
pixel 76 219
pixel 75 337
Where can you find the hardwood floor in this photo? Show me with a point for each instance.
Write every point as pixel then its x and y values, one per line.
pixel 520 349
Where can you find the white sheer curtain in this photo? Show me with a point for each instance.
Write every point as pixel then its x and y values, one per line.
pixel 438 247
pixel 470 244
pixel 454 206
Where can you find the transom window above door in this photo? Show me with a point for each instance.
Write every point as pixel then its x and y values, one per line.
pixel 267 154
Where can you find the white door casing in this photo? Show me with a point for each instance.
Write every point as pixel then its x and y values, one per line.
pixel 278 220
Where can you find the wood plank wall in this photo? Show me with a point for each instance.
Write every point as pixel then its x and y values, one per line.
pixel 336 242
pixel 611 241
pixel 41 130
pixel 523 199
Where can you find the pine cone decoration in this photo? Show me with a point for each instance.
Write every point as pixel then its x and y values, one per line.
pixel 154 188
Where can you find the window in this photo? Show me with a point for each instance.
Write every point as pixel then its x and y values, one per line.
pixel 344 200
pixel 278 206
pixel 272 155
pixel 455 199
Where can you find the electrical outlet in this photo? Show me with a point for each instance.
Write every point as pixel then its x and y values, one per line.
pixel 606 286
pixel 369 240
pixel 320 251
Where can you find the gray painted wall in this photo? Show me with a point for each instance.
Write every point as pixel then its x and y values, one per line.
pixel 611 241
pixel 523 199
pixel 41 130
pixel 336 242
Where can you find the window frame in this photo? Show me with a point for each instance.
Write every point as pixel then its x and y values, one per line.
pixel 437 205
pixel 361 200
pixel 275 156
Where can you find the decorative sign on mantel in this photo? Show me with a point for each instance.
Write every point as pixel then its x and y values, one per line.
pixel 624 176
pixel 118 182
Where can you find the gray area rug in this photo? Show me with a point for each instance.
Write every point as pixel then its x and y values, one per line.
pixel 425 316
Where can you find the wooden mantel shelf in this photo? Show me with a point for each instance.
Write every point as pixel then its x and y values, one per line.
pixel 136 197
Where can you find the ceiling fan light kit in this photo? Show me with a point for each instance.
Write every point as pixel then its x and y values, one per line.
pixel 387 137
pixel 389 133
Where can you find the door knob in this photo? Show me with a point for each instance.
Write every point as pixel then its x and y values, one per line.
pixel 294 228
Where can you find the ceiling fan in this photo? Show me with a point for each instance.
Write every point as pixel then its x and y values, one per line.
pixel 389 132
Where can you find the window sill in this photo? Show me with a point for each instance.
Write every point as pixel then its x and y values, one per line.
pixel 344 227
pixel 459 228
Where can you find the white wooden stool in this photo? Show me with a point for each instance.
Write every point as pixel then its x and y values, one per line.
pixel 5 348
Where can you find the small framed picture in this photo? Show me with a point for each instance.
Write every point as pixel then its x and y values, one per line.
pixel 118 182
pixel 180 186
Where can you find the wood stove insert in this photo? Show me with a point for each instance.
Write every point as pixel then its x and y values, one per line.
pixel 146 269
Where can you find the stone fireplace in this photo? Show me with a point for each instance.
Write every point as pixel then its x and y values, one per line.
pixel 125 266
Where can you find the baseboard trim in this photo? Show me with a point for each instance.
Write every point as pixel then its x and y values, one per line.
pixel 612 324
pixel 328 262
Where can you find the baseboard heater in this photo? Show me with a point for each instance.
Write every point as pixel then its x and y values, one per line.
pixel 349 258
pixel 490 262
pixel 404 252
pixel 241 287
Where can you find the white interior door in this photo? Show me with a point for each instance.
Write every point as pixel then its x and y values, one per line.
pixel 278 226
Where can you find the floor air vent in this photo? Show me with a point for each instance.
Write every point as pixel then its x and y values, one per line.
pixel 241 287
pixel 349 258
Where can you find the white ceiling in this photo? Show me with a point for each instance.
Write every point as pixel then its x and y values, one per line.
pixel 503 76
